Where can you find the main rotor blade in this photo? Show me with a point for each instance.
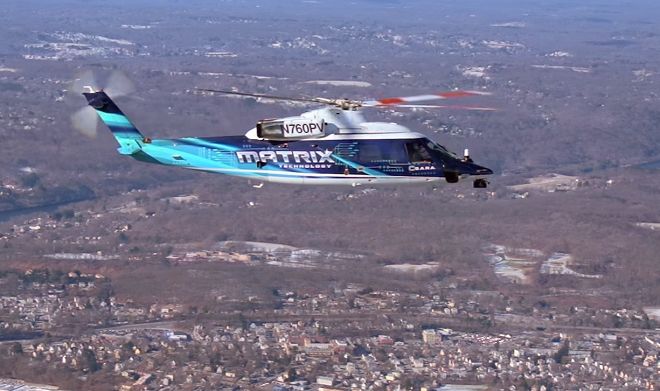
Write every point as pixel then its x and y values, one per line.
pixel 265 96
pixel 451 107
pixel 422 98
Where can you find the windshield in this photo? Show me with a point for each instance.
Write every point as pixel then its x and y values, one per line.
pixel 444 152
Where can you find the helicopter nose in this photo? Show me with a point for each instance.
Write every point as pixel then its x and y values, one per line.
pixel 466 168
pixel 475 169
pixel 483 171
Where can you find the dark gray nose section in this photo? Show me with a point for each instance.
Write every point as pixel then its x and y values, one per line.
pixel 466 168
pixel 480 170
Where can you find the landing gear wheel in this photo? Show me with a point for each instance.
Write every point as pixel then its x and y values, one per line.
pixel 451 177
pixel 480 183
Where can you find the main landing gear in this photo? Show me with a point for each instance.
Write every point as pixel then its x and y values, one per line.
pixel 480 183
pixel 451 177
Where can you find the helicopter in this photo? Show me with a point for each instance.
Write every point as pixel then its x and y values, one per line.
pixel 330 145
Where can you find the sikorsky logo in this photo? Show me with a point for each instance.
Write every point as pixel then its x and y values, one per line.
pixel 308 157
pixel 421 168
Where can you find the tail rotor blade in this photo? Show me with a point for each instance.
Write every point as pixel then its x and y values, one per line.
pixel 82 80
pixel 85 121
pixel 119 85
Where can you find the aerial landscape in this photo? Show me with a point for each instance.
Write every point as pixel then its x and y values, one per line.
pixel 121 275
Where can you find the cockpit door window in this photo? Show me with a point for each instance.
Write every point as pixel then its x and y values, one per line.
pixel 417 152
pixel 375 152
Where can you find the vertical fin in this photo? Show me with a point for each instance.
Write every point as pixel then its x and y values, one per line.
pixel 121 127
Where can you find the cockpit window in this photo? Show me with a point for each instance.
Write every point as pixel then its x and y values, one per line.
pixel 377 152
pixel 370 152
pixel 442 150
pixel 418 152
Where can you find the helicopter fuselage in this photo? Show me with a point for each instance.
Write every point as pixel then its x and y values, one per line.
pixel 324 146
pixel 343 159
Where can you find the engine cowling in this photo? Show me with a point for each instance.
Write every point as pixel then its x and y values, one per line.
pixel 294 128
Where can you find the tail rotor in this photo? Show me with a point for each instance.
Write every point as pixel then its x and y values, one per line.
pixel 86 120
